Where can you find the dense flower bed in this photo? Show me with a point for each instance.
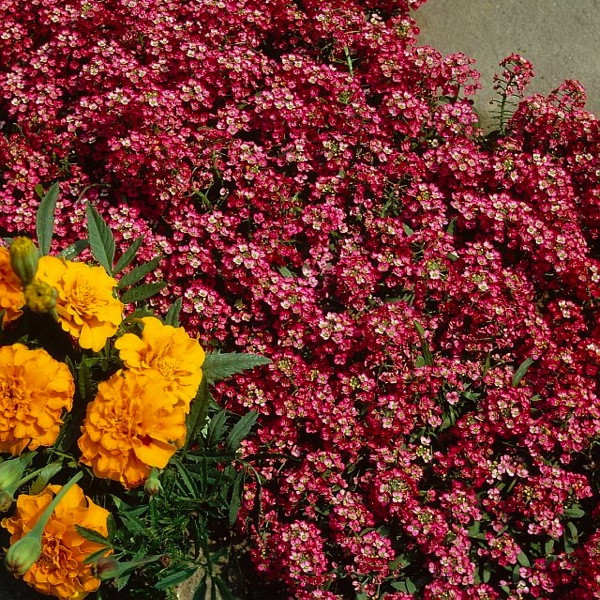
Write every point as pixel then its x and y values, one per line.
pixel 323 196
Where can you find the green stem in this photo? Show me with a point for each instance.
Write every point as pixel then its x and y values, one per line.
pixel 38 528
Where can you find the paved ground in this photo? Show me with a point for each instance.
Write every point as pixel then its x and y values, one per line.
pixel 560 38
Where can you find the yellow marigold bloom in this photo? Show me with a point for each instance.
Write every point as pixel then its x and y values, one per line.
pixel 86 305
pixel 34 391
pixel 169 351
pixel 130 427
pixel 12 298
pixel 60 571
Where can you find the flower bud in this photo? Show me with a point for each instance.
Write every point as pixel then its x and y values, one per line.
pixel 21 556
pixel 105 568
pixel 6 501
pixel 24 259
pixel 11 472
pixel 152 487
pixel 40 297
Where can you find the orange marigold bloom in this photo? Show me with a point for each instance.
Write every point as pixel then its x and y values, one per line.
pixel 61 570
pixel 34 391
pixel 12 296
pixel 130 427
pixel 168 350
pixel 86 305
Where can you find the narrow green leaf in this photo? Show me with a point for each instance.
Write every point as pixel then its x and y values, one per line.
pixel 129 254
pixel 39 190
pixel 84 380
pixel 427 356
pixel 285 272
pixel 220 366
pixel 48 472
pixel 139 272
pixel 142 292
pixel 215 429
pixel 223 589
pixel 236 497
pixel 240 430
pixel 92 558
pixel 172 316
pixel 175 578
pixel 201 591
pixel 92 536
pixel 44 220
pixel 523 560
pixel 523 367
pixel 198 411
pixel 74 250
pixel 407 230
pixel 102 242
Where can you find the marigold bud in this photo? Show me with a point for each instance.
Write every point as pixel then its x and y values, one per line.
pixel 24 259
pixel 11 472
pixel 40 297
pixel 105 568
pixel 6 501
pixel 21 556
pixel 152 487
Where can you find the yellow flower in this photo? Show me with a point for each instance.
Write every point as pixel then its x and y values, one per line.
pixel 34 391
pixel 86 306
pixel 169 351
pixel 60 571
pixel 130 427
pixel 12 298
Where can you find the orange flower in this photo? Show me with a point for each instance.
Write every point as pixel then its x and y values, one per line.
pixel 34 391
pixel 12 297
pixel 86 305
pixel 168 350
pixel 130 427
pixel 61 570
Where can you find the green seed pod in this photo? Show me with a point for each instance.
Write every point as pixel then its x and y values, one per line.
pixel 106 568
pixel 21 556
pixel 11 472
pixel 152 487
pixel 24 259
pixel 6 501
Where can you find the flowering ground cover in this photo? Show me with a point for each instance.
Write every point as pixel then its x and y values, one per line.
pixel 322 195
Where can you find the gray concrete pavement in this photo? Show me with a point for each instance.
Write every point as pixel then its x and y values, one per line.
pixel 560 37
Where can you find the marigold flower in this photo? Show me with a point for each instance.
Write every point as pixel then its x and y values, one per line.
pixel 130 427
pixel 86 305
pixel 34 391
pixel 60 571
pixel 169 351
pixel 12 297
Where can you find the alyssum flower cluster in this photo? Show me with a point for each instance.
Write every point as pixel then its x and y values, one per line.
pixel 323 195
pixel 135 418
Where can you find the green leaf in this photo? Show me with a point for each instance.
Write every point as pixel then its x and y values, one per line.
pixel 129 254
pixel 84 380
pixel 198 412
pixel 219 366
pixel 172 316
pixel 427 356
pixel 523 367
pixel 407 230
pixel 139 272
pixel 240 430
pixel 285 272
pixel 142 292
pixel 102 241
pixel 215 429
pixel 523 560
pixel 74 250
pixel 39 190
pixel 92 558
pixel 236 497
pixel 178 576
pixel 201 591
pixel 92 536
pixel 223 589
pixel 574 512
pixel 44 219
pixel 48 472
